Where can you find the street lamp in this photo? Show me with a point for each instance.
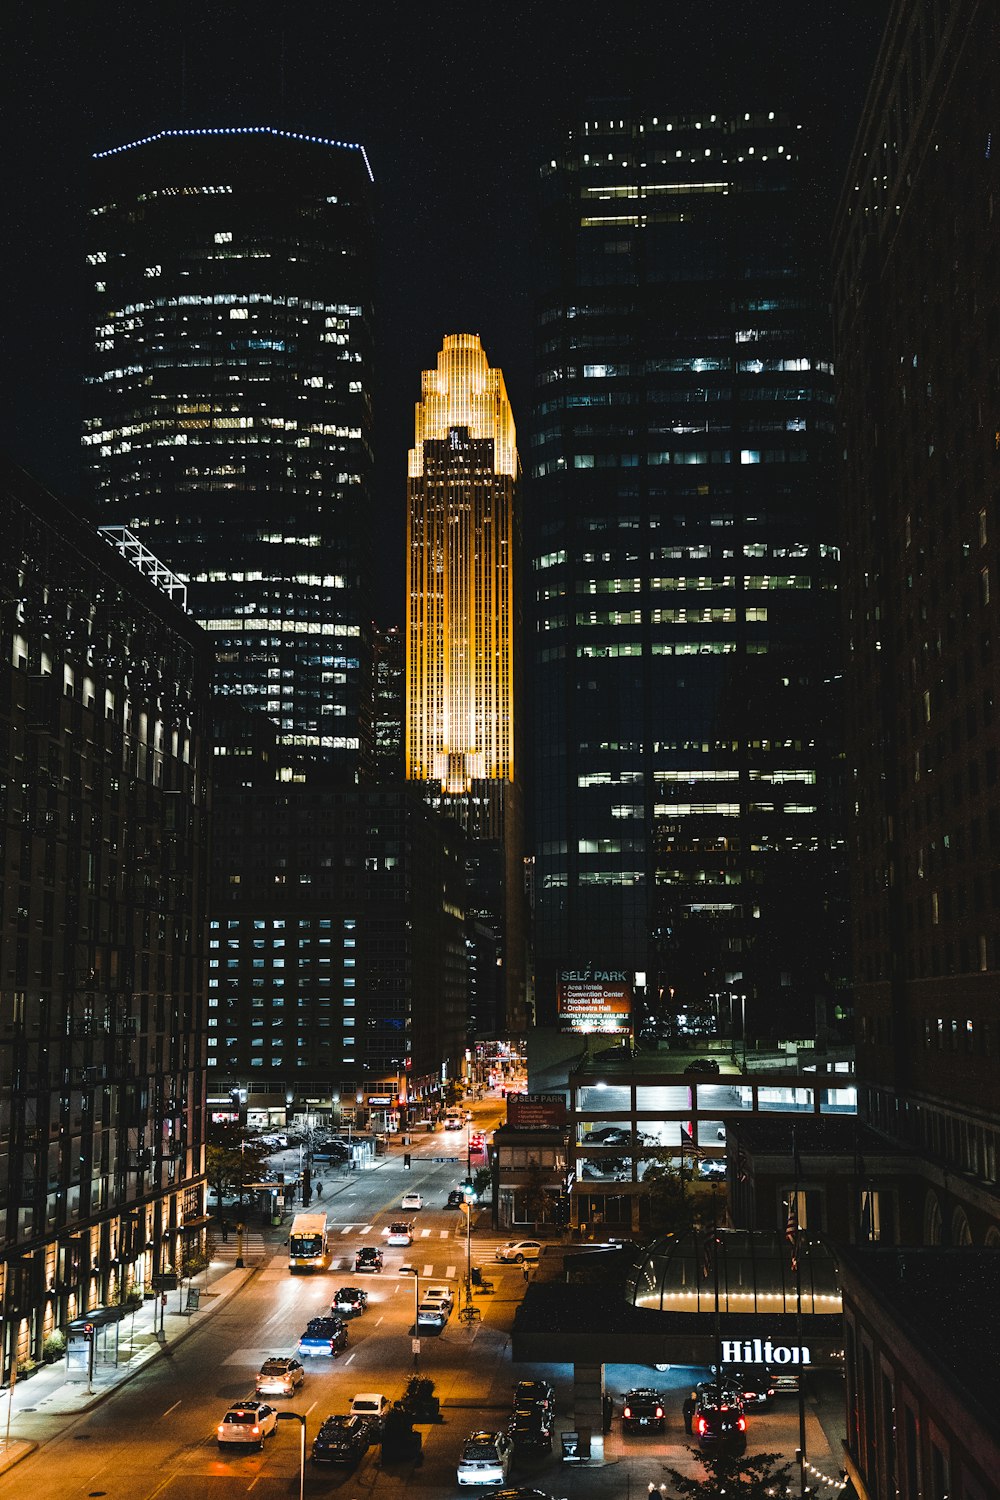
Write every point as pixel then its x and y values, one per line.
pixel 295 1416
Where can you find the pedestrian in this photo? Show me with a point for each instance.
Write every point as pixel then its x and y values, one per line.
pixel 690 1402
pixel 524 1271
pixel 225 1232
pixel 319 1190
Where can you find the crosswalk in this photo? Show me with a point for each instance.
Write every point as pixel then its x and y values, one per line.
pixel 253 1247
pixel 421 1234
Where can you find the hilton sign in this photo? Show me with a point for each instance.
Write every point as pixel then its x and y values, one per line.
pixel 763 1352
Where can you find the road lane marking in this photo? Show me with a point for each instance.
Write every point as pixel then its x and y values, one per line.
pixel 347 1361
pixel 429 1269
pixel 425 1234
pixel 169 1410
pixel 379 1320
pixel 449 1274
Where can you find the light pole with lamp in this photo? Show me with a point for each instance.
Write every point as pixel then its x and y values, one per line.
pixel 295 1416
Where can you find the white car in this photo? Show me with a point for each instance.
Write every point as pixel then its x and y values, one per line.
pixel 280 1377
pixel 412 1201
pixel 440 1294
pixel 431 1315
pixel 453 1123
pixel 485 1459
pixel 246 1422
pixel 400 1234
pixel 370 1404
pixel 519 1250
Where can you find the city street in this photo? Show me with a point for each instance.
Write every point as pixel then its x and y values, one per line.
pixel 155 1435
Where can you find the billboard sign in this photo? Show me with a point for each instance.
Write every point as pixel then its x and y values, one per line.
pixel 536 1111
pixel 594 1000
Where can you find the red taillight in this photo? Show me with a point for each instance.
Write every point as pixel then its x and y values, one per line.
pixel 702 1426
pixel 741 1423
pixel 627 1412
pixel 255 1430
pixel 659 1412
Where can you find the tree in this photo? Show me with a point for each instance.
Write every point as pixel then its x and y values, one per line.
pixel 677 1205
pixel 231 1160
pixel 537 1196
pixel 748 1476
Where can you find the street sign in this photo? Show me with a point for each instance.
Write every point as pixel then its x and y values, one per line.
pixel 444 1158
pixel 416 1345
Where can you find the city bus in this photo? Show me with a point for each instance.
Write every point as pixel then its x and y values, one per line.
pixel 307 1244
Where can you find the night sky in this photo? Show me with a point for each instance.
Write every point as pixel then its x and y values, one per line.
pixel 457 106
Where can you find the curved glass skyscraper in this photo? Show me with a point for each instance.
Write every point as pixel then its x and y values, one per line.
pixel 228 417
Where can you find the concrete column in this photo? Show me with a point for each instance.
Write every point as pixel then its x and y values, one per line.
pixel 588 1400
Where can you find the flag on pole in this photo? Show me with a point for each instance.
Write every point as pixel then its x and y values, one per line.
pixel 792 1226
pixel 742 1163
pixel 707 1252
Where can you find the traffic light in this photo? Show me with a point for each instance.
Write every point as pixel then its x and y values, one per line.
pixel 406 1159
pixel 469 1190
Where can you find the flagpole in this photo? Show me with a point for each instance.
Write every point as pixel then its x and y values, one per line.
pixel 718 1321
pixel 797 1172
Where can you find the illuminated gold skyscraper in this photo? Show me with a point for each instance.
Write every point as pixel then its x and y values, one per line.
pixel 461 656
pixel 460 597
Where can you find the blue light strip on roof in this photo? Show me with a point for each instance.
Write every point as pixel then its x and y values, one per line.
pixel 288 135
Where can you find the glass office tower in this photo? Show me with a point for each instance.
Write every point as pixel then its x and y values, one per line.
pixel 229 406
pixel 684 573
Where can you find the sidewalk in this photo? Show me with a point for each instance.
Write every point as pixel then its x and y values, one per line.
pixel 129 1346
pixel 49 1393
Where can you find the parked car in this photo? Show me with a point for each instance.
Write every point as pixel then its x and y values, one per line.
pixel 442 1295
pixel 246 1423
pixel 719 1422
pixel 412 1201
pixel 455 1198
pixel 323 1336
pixel 712 1170
pixel 530 1430
pixel 279 1377
pixel 342 1440
pixel 534 1393
pixel 368 1258
pixel 754 1383
pixel 400 1233
pixel 373 1405
pixel 349 1301
pixel 485 1458
pixel 702 1065
pixel 431 1315
pixel 519 1250
pixel 643 1411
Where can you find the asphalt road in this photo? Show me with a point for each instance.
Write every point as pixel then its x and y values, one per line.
pixel 154 1438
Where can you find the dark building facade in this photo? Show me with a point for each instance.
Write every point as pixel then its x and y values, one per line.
pixel 104 793
pixel 337 943
pixel 684 559
pixel 389 710
pixel 917 311
pixel 228 407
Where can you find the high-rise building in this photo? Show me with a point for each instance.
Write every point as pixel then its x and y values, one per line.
pixel 684 558
pixel 388 712
pixel 461 639
pixel 917 314
pixel 460 550
pixel 228 417
pixel 104 795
